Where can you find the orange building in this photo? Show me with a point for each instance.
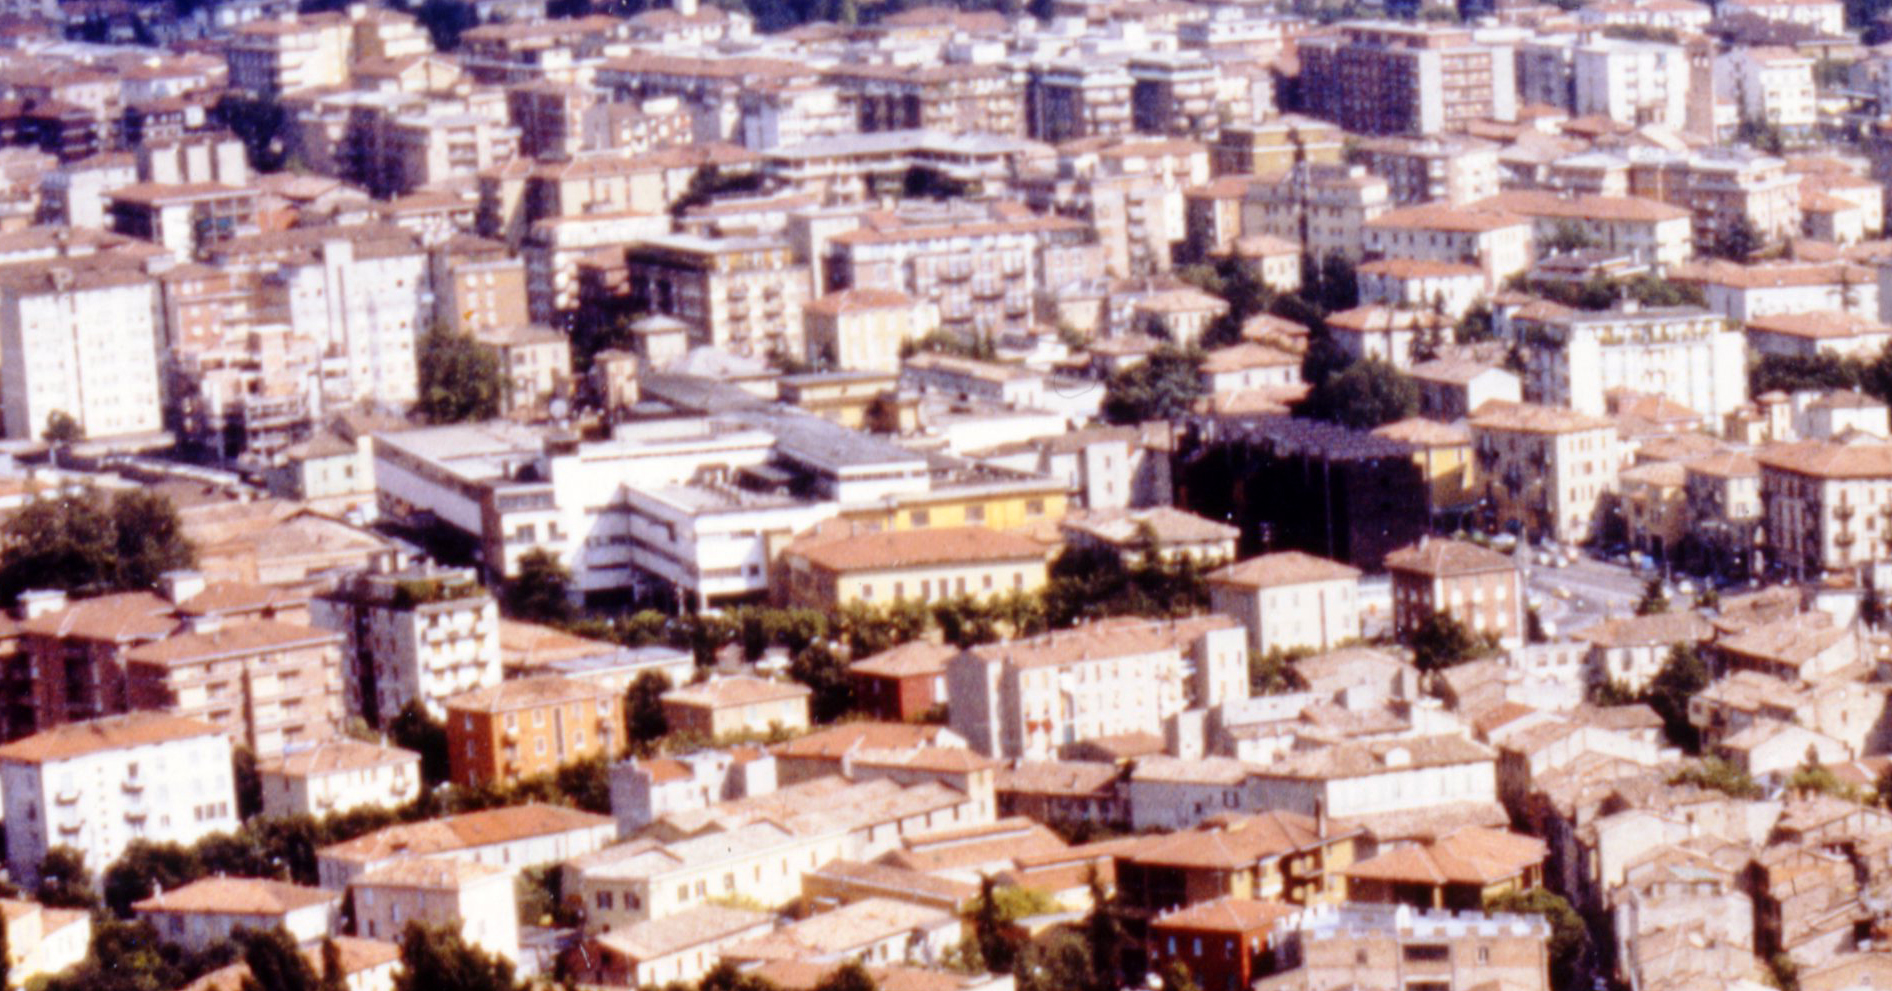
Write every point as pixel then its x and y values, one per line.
pixel 530 726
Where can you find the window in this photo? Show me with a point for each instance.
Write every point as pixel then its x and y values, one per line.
pixel 1426 953
pixel 975 514
pixel 920 517
pixel 604 900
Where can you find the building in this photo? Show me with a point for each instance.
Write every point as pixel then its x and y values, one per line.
pixel 1824 503
pixel 680 947
pixel 928 565
pixel 1387 78
pixel 1276 856
pixel 1379 946
pixel 44 941
pixel 1223 943
pixel 209 912
pixel 724 707
pixel 413 637
pixel 1638 83
pixel 1460 871
pixel 1548 471
pixel 79 337
pixel 742 295
pixel 1026 698
pixel 1450 388
pixel 1431 170
pixel 511 838
pixel 1576 358
pixel 338 775
pixel 1289 600
pixel 646 790
pixel 470 898
pixel 1498 243
pixel 1162 532
pixel 1649 232
pixel 1477 587
pixel 903 683
pixel 272 686
pixel 1322 208
pixel 1772 85
pixel 1452 288
pixel 647 879
pixel 530 726
pixel 96 786
pixel 864 330
pixel 1374 778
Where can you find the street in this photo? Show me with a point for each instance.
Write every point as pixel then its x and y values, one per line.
pixel 1581 594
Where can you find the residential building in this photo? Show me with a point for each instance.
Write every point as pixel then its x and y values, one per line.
pixel 1362 780
pixel 79 337
pixel 1383 945
pixel 1547 470
pixel 742 295
pixel 1450 288
pixel 1744 293
pixel 1649 232
pixel 1476 586
pixel 530 726
pixel 1460 871
pixel 1324 208
pixel 1825 502
pixel 417 637
pixel 1394 336
pixel 210 911
pixel 1576 358
pixel 646 879
pixel 723 707
pixel 1498 243
pixel 1771 85
pixel 1420 79
pixel 679 947
pixel 1430 170
pixel 512 839
pixel 1448 469
pixel 903 683
pixel 1638 83
pixel 183 217
pixel 1289 600
pixel 1223 943
pixel 338 775
pixel 646 790
pixel 271 686
pixel 1450 388
pixel 1819 332
pixel 1724 509
pixel 1025 698
pixel 1167 533
pixel 1717 185
pixel 1825 17
pixel 44 941
pixel 1277 856
pixel 864 329
pixel 96 786
pixel 469 898
pixel 927 565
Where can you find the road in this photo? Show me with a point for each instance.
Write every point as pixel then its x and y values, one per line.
pixel 1591 591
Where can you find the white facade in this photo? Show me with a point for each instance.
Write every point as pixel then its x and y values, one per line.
pixel 1319 615
pixel 97 786
pixel 474 899
pixel 83 342
pixel 1632 82
pixel 1771 85
pixel 425 652
pixel 371 313
pixel 339 775
pixel 1691 356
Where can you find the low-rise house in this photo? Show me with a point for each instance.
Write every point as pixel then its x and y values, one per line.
pixel 1770 747
pixel 1461 871
pixel 1223 943
pixel 472 899
pixel 43 941
pixel 1289 600
pixel 648 879
pixel 530 726
pixel 1274 856
pixel 844 882
pixel 1170 793
pixel 1806 648
pixel 1631 650
pixel 1451 388
pixel 656 952
pixel 925 565
pixel 1249 365
pixel 513 839
pixel 1359 780
pixel 366 964
pixel 644 790
pixel 902 683
pixel 338 775
pixel 877 930
pixel 722 707
pixel 208 912
pixel 1163 531
pixel 1476 586
pixel 1064 792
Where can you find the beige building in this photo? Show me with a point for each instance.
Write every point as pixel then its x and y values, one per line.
pixel 536 362
pixel 863 330
pixel 473 899
pixel 1322 208
pixel 1478 587
pixel 1549 471
pixel 1630 650
pixel 1289 600
pixel 270 685
pixel 1827 504
pixel 209 912
pixel 722 707
pixel 1497 242
pixel 43 941
pixel 338 775
pixel 1387 946
pixel 924 565
pixel 762 862
pixel 1650 231
pixel 744 295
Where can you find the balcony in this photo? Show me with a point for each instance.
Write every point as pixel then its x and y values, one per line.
pixel 67 796
pixel 133 786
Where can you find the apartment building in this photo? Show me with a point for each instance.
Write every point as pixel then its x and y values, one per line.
pixel 1827 504
pixel 478 285
pixel 926 565
pixel 1280 857
pixel 472 899
pixel 416 150
pixel 96 786
pixel 1430 170
pixel 78 651
pixel 1496 242
pixel 1217 941
pixel 1575 358
pixel 742 295
pixel 294 53
pixel 1289 600
pixel 647 879
pixel 212 911
pixel 1745 293
pixel 1724 509
pixel 1771 85
pixel 80 337
pixel 526 727
pixel 723 707
pixel 1717 185
pixel 1358 779
pixel 1178 94
pixel 1650 232
pixel 1450 288
pixel 418 636
pixel 953 99
pixel 1325 209
pixel 863 330
pixel 1548 470
pixel 338 775
pixel 1478 587
pixel 44 941
pixel 646 790
pixel 1274 146
pixel 560 50
pixel 512 838
pixel 272 686
pixel 1382 945
pixel 1638 83
pixel 1072 98
pixel 1421 79
pixel 1026 698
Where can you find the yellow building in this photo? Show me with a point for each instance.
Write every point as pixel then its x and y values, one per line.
pixel 1444 455
pixel 1655 506
pixel 1009 503
pixel 823 571
pixel 855 400
pixel 862 330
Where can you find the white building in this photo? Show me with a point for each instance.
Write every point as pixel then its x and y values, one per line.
pixel 209 911
pixel 1825 503
pixel 645 790
pixel 337 776
pixel 1497 242
pixel 43 941
pixel 1383 776
pixel 1450 287
pixel 79 337
pixel 1828 17
pixel 1289 600
pixel 646 879
pixel 1576 358
pixel 368 301
pixel 1632 82
pixel 415 636
pixel 1772 85
pixel 96 786
pixel 472 898
pixel 512 839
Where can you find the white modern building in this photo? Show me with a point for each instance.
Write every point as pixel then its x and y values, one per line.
pixel 413 636
pixel 1575 358
pixel 336 776
pixel 1632 82
pixel 79 336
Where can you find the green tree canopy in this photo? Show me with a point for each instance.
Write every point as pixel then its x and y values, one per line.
pixel 1569 936
pixel 89 543
pixel 61 428
pixel 276 963
pixel 1683 674
pixel 415 729
pixel 145 868
pixel 1440 641
pixel 823 671
pixel 850 976
pixel 1163 387
pixel 1655 598
pixel 64 881
pixel 460 378
pixel 1366 395
pixel 438 959
pixel 541 593
pixel 645 722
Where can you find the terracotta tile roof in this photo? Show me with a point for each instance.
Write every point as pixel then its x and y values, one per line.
pixel 858 300
pixel 358 954
pixel 237 896
pixel 1818 325
pixel 916 549
pixel 1453 371
pixel 118 617
pixel 654 938
pixel 897 882
pixel 1102 640
pixel 1226 915
pixel 1283 568
pixel 529 693
pixel 917 659
pixel 1448 557
pixel 1229 842
pixel 1440 217
pixel 1645 631
pixel 1499 414
pixel 1473 855
pixel 1534 203
pixel 1421 432
pixel 1354 760
pixel 1247 355
pixel 1421 268
pixel 236 640
pixel 463 832
pixel 1855 458
pixel 333 756
pixel 1376 319
pixel 230 596
pixel 1058 777
pixel 739 690
pixel 444 874
pixel 137 729
pixel 1172 526
pixel 833 742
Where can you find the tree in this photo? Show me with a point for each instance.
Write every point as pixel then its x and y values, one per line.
pixel 249 783
pixel 1440 641
pixel 414 729
pixel 1655 598
pixel 460 378
pixel 446 21
pixel 334 978
pixel 1163 387
pixel 1105 938
pixel 992 917
pixel 725 977
pixel 1366 395
pixel 1813 777
pixel 259 123
pixel 144 869
pixel 438 959
pixel 6 956
pixel 1176 977
pixel 823 671
pixel 541 592
pixel 85 542
pixel 1825 372
pixel 64 881
pixel 1273 673
pixel 1569 936
pixel 850 976
pixel 61 428
pixel 1683 675
pixel 1716 774
pixel 1738 242
pixel 1476 326
pixel 276 963
pixel 1339 287
pixel 644 719
pixel 1568 237
pixel 964 621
